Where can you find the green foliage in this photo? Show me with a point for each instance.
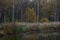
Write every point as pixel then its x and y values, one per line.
pixel 7 19
pixel 44 20
pixel 16 20
pixel 20 28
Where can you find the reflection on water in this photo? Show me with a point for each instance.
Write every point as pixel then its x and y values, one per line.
pixel 32 36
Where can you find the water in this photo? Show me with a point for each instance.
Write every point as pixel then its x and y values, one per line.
pixel 31 37
pixel 32 34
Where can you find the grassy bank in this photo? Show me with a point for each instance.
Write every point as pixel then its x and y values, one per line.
pixel 32 32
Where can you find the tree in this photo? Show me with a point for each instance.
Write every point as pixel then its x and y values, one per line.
pixel 58 8
pixel 30 15
pixel 7 6
pixel 49 12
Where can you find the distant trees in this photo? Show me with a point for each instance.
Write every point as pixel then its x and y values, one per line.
pixel 58 8
pixel 50 12
pixel 7 9
pixel 27 11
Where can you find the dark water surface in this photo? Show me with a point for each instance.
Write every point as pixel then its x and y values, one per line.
pixel 33 36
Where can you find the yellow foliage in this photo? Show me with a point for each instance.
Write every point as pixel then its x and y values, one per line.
pixel 31 15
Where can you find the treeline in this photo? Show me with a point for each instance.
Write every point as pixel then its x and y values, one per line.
pixel 26 11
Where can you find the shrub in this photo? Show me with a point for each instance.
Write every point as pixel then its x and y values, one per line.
pixel 44 20
pixel 10 28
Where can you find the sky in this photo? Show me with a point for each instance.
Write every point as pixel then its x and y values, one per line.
pixel 32 0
